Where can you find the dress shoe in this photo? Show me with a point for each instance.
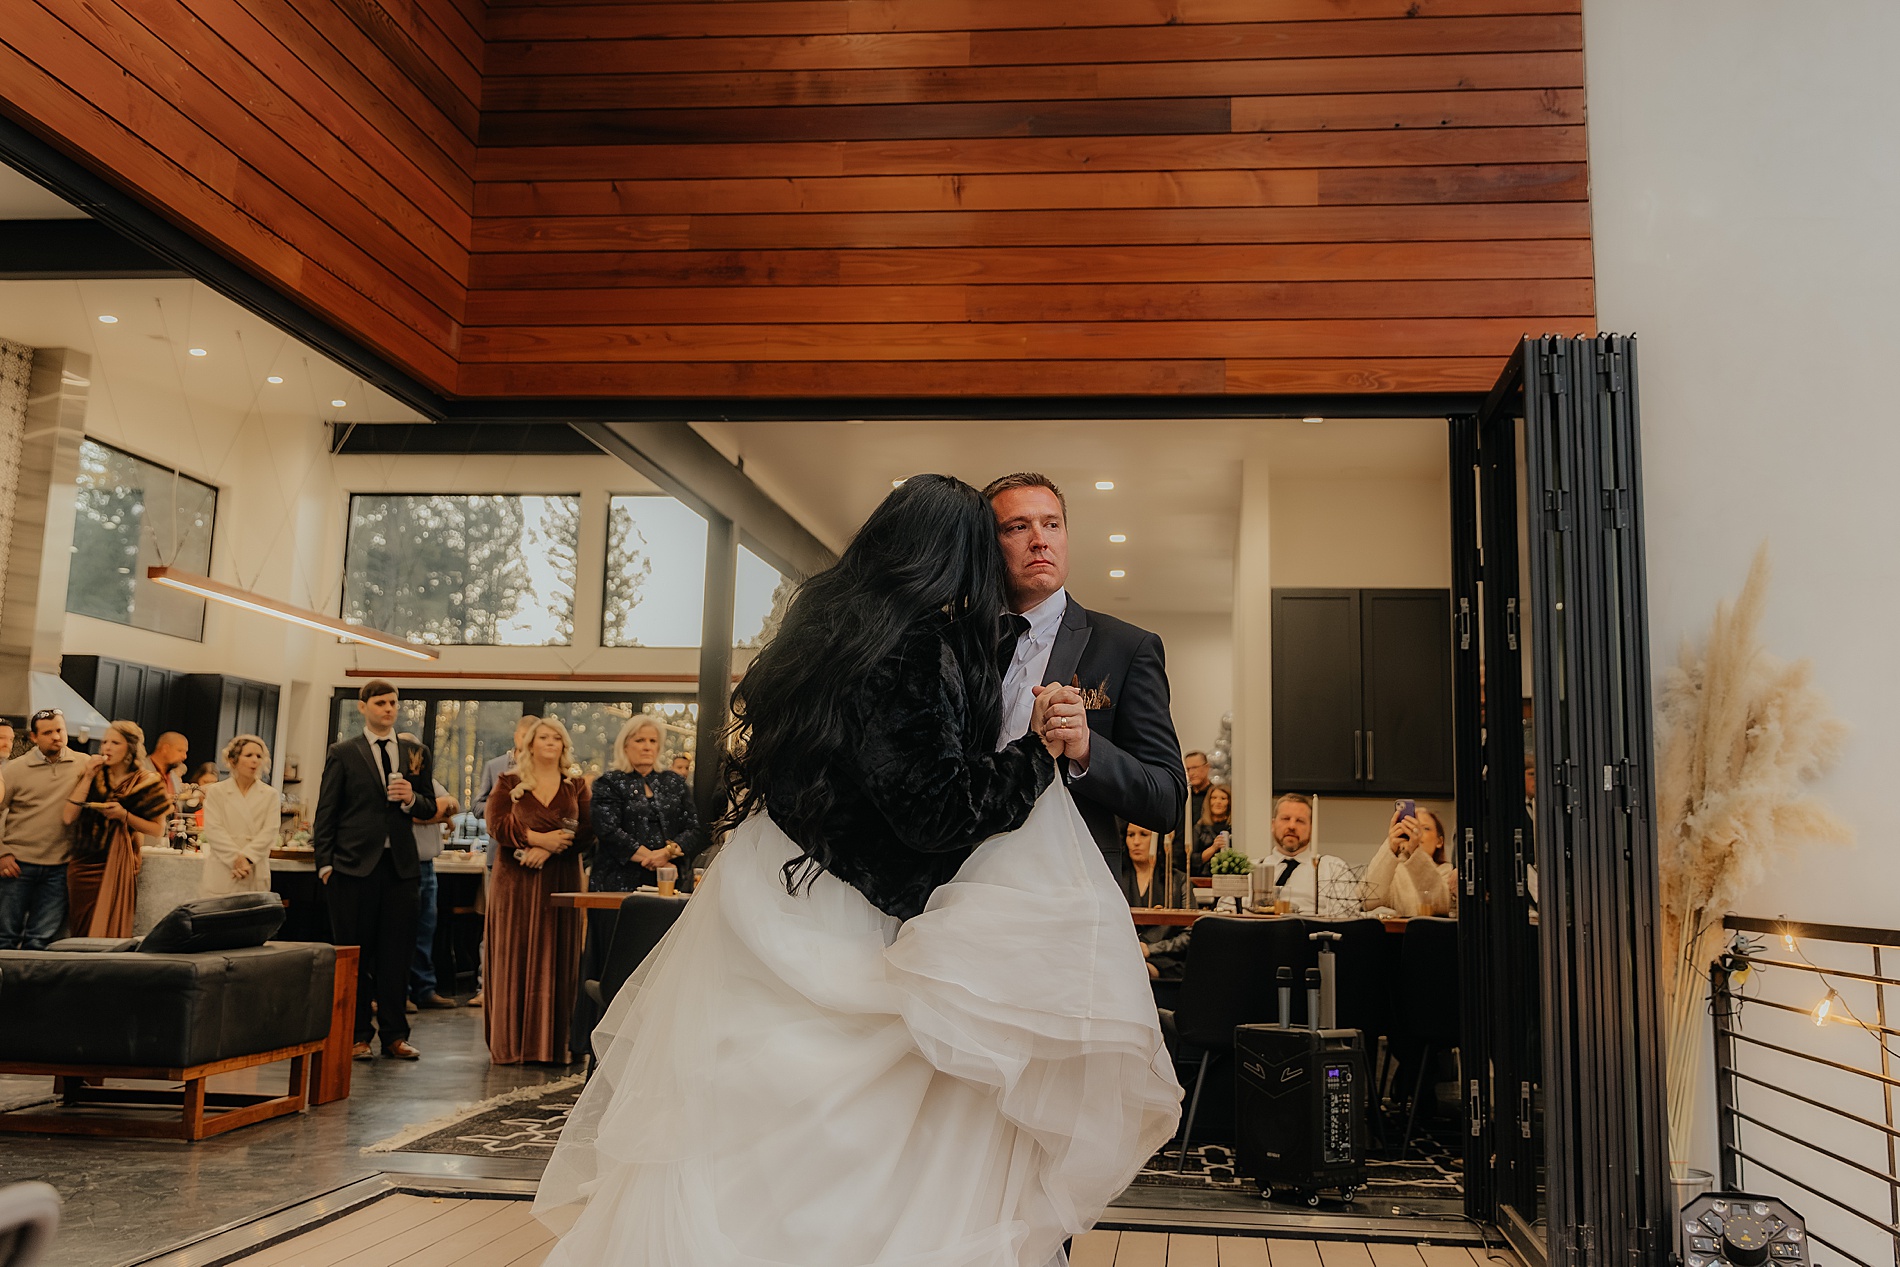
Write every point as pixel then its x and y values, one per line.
pixel 362 1052
pixel 409 1005
pixel 401 1049
pixel 434 1001
pixel 475 999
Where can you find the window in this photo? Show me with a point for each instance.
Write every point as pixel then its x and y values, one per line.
pixel 130 515
pixel 655 593
pixel 760 594
pixel 463 570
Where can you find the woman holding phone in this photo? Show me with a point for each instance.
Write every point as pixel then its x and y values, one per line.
pixel 1410 873
pixel 538 817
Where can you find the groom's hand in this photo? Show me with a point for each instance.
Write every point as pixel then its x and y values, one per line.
pixel 1065 721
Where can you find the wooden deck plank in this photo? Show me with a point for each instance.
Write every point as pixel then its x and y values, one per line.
pixel 1395 1255
pixel 1192 1251
pixel 1094 1249
pixel 1142 1249
pixel 1344 1254
pixel 1445 1255
pixel 505 1251
pixel 1292 1253
pixel 353 1230
pixel 1243 1251
pixel 467 1244
pixel 430 1228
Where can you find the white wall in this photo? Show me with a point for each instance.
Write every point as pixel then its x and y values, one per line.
pixel 1199 647
pixel 1746 193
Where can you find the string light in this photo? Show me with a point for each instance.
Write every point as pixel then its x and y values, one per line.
pixel 1825 1007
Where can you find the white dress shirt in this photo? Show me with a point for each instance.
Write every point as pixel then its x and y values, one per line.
pixel 1319 884
pixel 1029 663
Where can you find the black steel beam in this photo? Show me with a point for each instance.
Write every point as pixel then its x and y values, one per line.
pixel 681 462
pixel 60 250
pixel 458 438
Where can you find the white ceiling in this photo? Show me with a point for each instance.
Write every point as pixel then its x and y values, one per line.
pixel 146 352
pixel 1176 496
pixel 22 198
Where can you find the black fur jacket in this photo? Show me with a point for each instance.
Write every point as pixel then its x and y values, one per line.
pixel 916 801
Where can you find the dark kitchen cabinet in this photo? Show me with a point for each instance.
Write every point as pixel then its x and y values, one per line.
pixel 1362 691
pixel 208 709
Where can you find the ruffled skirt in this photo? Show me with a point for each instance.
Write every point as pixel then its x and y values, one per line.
pixel 803 1081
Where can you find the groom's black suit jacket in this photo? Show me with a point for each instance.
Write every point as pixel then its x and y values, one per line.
pixel 355 819
pixel 1135 772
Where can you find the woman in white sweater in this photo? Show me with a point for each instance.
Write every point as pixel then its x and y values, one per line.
pixel 241 821
pixel 1409 873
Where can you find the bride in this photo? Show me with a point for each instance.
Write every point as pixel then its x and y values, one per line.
pixel 905 1020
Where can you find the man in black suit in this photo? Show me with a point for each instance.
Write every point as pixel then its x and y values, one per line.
pixel 1120 757
pixel 376 787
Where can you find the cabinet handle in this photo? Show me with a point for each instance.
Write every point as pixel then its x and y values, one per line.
pixel 1369 766
pixel 1358 761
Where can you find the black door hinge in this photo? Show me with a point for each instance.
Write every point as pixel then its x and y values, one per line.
pixel 1557 508
pixel 1616 508
pixel 1524 1109
pixel 1464 624
pixel 1610 367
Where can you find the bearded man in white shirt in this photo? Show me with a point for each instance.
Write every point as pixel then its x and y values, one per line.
pixel 1312 882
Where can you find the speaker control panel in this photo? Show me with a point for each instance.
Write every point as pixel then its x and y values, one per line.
pixel 1336 1145
pixel 1734 1229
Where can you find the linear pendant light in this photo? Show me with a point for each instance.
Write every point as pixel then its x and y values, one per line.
pixel 218 591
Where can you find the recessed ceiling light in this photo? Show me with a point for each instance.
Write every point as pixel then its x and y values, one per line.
pixel 1103 486
pixel 1313 420
pixel 198 352
pixel 338 404
pixel 275 378
pixel 1117 537
pixel 1116 573
pixel 108 319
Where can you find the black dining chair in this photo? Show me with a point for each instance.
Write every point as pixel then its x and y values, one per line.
pixel 1432 998
pixel 1228 981
pixel 643 919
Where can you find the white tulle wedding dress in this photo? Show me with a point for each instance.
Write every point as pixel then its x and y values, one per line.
pixel 803 1081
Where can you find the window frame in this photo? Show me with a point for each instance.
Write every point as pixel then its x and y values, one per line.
pixel 211 543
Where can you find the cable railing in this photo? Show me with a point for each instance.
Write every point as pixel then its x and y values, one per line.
pixel 1807 1075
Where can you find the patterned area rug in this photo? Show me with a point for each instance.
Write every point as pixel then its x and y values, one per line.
pixel 1432 1169
pixel 524 1123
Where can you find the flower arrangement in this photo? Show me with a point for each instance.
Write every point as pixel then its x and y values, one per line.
pixel 1739 733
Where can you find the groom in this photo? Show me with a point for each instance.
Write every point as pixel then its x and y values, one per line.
pixel 1120 757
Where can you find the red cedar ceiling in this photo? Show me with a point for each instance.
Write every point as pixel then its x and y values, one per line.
pixel 861 197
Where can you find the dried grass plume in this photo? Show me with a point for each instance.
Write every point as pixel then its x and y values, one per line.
pixel 1739 736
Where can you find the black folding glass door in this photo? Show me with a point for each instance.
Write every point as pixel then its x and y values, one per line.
pixel 1568 1140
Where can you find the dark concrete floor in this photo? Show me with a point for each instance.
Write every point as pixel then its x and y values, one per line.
pixel 127 1199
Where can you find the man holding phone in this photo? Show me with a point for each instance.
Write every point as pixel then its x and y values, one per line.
pixel 376 787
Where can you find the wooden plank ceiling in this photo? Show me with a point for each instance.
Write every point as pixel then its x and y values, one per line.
pixel 860 197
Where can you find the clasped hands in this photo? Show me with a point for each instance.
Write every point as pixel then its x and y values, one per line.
pixel 1062 723
pixel 543 845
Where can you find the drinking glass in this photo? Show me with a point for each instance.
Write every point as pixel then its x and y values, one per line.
pixel 668 879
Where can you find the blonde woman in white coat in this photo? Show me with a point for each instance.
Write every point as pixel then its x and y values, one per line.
pixel 241 821
pixel 1408 874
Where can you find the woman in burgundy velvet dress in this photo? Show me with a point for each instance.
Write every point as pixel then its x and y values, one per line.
pixel 538 818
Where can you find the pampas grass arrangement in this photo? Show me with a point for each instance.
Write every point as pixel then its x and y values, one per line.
pixel 1739 735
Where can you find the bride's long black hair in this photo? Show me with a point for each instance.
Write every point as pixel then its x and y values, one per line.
pixel 929 548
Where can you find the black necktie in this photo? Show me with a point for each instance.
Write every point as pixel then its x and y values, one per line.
pixel 1009 631
pixel 382 756
pixel 1286 870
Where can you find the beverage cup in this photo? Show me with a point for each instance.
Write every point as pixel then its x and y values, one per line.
pixel 668 879
pixel 1283 906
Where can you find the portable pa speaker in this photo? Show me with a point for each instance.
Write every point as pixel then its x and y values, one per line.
pixel 1300 1109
